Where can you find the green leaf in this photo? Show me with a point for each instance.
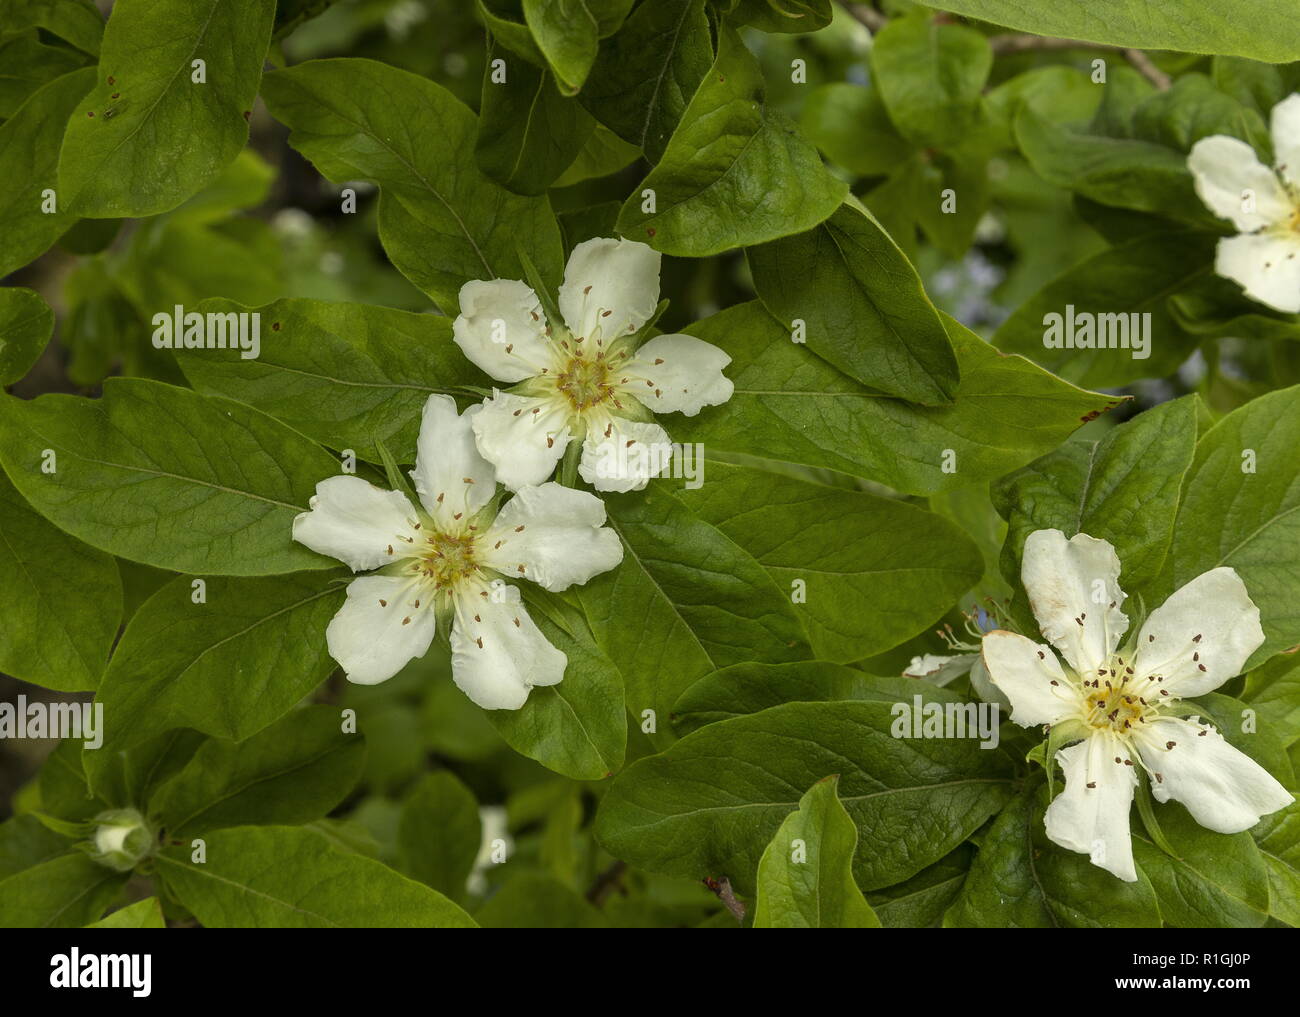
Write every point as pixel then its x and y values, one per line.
pixel 346 375
pixel 875 571
pixel 440 833
pixel 568 32
pixel 537 901
pixel 1278 839
pixel 63 893
pixel 75 21
pixel 528 133
pixel 735 173
pixel 29 154
pixel 29 64
pixel 441 220
pixel 849 124
pixel 783 15
pixel 63 601
pixel 793 406
pixel 1241 507
pixel 149 135
pixel 1273 690
pixel 930 75
pixel 912 800
pixel 919 903
pixel 862 305
pixel 1215 880
pixel 805 877
pixel 143 914
pixel 646 73
pixel 292 772
pixel 293 878
pixel 1263 30
pixel 164 476
pixel 1021 880
pixel 227 667
pixel 685 601
pixel 26 842
pixel 1123 488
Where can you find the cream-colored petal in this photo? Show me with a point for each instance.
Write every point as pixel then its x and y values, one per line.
pixel 1235 185
pixel 940 670
pixel 1073 589
pixel 678 374
pixel 610 285
pixel 383 624
pixel 501 329
pixel 1201 636
pixel 1285 123
pixel 1091 815
pixel 1031 678
pixel 1224 789
pixel 452 479
pixel 553 535
pixel 623 455
pixel 361 525
pixel 497 654
pixel 1265 265
pixel 522 436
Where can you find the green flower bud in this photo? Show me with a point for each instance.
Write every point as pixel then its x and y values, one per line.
pixel 123 838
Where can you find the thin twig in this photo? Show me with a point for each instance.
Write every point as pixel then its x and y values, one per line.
pixel 722 888
pixel 606 882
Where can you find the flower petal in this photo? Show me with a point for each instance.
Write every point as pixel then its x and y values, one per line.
pixel 679 374
pixel 1266 265
pixel 1094 819
pixel 378 630
pixel 1224 789
pixel 522 436
pixel 450 476
pixel 1024 672
pixel 940 670
pixel 497 653
pixel 983 686
pixel 622 455
pixel 1285 124
pixel 1226 172
pixel 502 329
pixel 1073 588
pixel 1201 636
pixel 609 284
pixel 553 535
pixel 356 522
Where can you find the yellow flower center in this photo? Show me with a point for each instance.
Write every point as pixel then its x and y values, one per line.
pixel 586 381
pixel 447 559
pixel 1119 700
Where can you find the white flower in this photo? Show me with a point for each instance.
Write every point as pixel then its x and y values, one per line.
pixel 581 379
pixel 444 558
pixel 1122 701
pixel 1264 205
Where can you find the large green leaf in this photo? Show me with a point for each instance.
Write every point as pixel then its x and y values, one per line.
pixel 26 323
pixel 441 220
pixel 568 32
pixel 1022 880
pixel 288 877
pixel 709 804
pixel 64 893
pixel 735 173
pixel 28 63
pixel 1261 29
pixel 919 903
pixel 805 877
pixel 164 476
pixel 862 305
pixel 1278 839
pixel 440 832
pixel 227 667
pixel 875 571
pixel 294 771
pixel 149 135
pixel 347 375
pixel 26 842
pixel 533 900
pixel 63 600
pixel 29 158
pixel 143 914
pixel 76 21
pixel 791 405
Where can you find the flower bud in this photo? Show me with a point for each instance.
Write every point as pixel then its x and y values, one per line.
pixel 122 839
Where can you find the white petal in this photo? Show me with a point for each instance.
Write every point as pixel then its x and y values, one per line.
pixel 679 373
pixel 501 329
pixel 356 522
pixel 1224 789
pixel 1229 176
pixel 522 436
pixel 1285 123
pixel 1024 671
pixel 450 476
pixel 1201 636
pixel 497 653
pixel 983 686
pixel 611 284
pixel 556 533
pixel 1094 820
pixel 1072 585
pixel 940 670
pixel 378 630
pixel 622 455
pixel 1266 265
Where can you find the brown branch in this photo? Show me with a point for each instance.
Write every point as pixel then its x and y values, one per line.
pixel 607 882
pixel 868 16
pixel 722 889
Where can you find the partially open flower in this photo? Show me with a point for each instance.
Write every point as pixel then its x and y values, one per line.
pixel 123 838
